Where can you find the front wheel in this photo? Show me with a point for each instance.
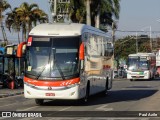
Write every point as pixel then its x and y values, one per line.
pixel 39 101
pixel 104 93
pixel 131 79
pixel 86 97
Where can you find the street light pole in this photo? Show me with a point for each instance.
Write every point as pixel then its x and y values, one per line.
pixel 54 10
pixel 136 42
pixel 150 38
pixel 150 35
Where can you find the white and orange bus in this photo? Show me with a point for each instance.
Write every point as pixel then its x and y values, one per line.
pixel 141 66
pixel 67 61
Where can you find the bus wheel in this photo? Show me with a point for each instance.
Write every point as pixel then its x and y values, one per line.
pixel 104 93
pixel 131 79
pixel 85 99
pixel 39 101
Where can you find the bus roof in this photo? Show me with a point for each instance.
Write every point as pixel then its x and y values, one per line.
pixel 64 29
pixel 142 54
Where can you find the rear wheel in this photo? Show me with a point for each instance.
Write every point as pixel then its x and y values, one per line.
pixel 39 101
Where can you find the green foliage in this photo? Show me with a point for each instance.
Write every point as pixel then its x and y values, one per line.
pixel 109 9
pixel 3 44
pixel 4 5
pixel 25 16
pixel 127 45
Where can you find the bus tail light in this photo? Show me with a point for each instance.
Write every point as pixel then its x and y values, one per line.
pixel 81 51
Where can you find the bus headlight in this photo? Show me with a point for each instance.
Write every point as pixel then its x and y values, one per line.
pixel 72 85
pixel 129 73
pixel 28 84
pixel 145 73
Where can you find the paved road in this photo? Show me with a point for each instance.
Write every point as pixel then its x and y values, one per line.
pixel 141 96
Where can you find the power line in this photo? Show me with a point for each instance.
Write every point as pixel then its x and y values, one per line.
pixel 137 31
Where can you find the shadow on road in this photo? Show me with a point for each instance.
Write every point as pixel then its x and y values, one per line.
pixel 112 97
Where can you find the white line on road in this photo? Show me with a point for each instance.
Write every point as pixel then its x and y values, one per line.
pixel 104 108
pixel 8 105
pixel 27 108
pixel 60 110
pixel 65 108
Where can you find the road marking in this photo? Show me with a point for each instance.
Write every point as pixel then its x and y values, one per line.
pixel 60 110
pixel 27 108
pixel 8 105
pixel 85 118
pixel 65 108
pixel 104 108
pixel 27 118
pixel 8 97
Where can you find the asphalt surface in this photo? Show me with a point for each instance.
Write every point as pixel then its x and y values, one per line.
pixel 5 92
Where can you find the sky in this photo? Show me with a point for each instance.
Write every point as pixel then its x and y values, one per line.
pixel 135 15
pixel 139 15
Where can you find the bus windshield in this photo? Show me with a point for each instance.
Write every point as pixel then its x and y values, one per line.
pixel 138 63
pixel 53 58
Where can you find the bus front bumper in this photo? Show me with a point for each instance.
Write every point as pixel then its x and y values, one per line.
pixel 72 92
pixel 138 75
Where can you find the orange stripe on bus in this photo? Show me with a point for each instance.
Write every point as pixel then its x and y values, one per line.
pixel 51 83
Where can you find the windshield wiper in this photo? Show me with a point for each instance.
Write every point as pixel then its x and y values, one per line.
pixel 59 70
pixel 40 73
pixel 56 63
pixel 44 67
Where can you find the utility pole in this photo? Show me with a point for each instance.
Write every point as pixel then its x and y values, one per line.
pixel 113 40
pixel 62 13
pixel 54 12
pixel 113 32
pixel 4 34
pixel 136 42
pixel 88 15
pixel 150 38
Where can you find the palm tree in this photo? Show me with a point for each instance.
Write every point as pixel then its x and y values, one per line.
pixel 13 22
pixel 105 10
pixel 3 6
pixel 88 10
pixel 28 16
pixel 92 12
pixel 75 10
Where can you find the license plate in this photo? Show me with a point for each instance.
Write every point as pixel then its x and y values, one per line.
pixel 50 94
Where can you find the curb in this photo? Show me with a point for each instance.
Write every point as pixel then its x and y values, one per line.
pixel 13 94
pixel 119 79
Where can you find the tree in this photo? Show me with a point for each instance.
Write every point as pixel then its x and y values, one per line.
pixel 75 9
pixel 124 47
pixel 88 12
pixel 26 16
pixel 104 11
pixel 77 12
pixel 91 12
pixel 3 6
pixel 13 22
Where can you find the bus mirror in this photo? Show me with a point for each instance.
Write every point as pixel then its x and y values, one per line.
pixel 20 49
pixel 81 51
